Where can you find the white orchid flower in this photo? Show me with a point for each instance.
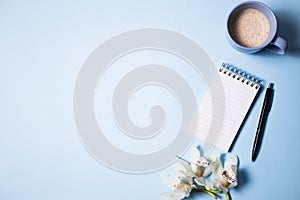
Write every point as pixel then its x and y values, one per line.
pixel 195 175
pixel 200 165
pixel 183 184
pixel 181 187
pixel 225 177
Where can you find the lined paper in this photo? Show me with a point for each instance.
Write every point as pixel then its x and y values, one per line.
pixel 239 93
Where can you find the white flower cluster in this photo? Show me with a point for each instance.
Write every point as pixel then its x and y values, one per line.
pixel 196 175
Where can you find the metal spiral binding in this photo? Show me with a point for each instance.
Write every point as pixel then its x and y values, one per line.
pixel 240 75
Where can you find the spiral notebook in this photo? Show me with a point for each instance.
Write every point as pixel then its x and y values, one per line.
pixel 240 89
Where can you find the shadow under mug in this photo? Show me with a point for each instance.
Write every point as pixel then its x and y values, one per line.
pixel 273 43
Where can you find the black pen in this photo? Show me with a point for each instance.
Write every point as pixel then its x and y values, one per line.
pixel 263 120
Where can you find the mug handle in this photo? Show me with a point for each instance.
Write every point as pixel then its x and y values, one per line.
pixel 278 45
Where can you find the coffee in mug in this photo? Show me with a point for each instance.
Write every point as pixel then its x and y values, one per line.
pixel 249 27
pixel 252 26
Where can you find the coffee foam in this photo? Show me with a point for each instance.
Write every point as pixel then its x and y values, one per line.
pixel 249 27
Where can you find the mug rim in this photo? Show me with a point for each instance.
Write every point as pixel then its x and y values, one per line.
pixel 270 16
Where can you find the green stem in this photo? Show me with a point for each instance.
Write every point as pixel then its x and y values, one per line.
pixel 207 192
pixel 211 194
pixel 215 191
pixel 228 197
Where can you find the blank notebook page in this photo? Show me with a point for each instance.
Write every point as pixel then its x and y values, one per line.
pixel 240 90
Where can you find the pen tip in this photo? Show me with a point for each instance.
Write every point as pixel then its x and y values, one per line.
pixel 254 156
pixel 271 85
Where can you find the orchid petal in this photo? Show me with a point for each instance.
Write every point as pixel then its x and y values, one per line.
pixel 234 169
pixel 217 169
pixel 187 174
pixel 207 171
pixel 196 169
pixel 233 160
pixel 213 157
pixel 187 190
pixel 200 181
pixel 196 154
pixel 186 177
pixel 168 180
pixel 182 165
pixel 212 185
pixel 234 184
pixel 179 187
pixel 222 188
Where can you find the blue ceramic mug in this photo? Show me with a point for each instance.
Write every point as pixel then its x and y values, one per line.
pixel 252 26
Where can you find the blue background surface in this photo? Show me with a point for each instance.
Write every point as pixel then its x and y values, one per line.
pixel 42 47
